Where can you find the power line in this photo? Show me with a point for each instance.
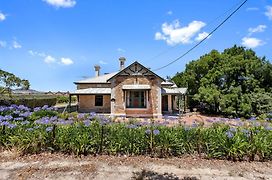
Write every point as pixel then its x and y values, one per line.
pixel 209 23
pixel 217 27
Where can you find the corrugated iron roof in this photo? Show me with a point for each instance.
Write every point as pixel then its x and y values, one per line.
pixel 174 90
pixel 92 91
pixel 108 90
pixel 98 79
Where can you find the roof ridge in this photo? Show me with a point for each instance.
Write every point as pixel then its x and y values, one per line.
pixel 97 79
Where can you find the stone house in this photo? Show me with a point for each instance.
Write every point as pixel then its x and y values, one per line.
pixel 133 91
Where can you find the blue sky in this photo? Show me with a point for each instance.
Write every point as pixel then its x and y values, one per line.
pixel 53 43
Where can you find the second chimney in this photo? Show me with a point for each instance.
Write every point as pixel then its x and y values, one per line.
pixel 122 63
pixel 97 70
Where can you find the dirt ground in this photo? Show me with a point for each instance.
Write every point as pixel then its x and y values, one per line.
pixel 187 120
pixel 60 166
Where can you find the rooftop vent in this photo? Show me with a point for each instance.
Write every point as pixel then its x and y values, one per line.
pixel 122 63
pixel 97 70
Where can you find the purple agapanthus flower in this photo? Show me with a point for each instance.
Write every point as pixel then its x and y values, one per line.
pixel 37 109
pixel 268 128
pixel 45 107
pixel 237 119
pixel 29 129
pixel 143 123
pixel 210 120
pixel 69 122
pixel 252 118
pixel 246 132
pixel 156 132
pixel 87 123
pixel 25 122
pixel 194 124
pixel 229 134
pixel 11 126
pixel 23 108
pixel 16 112
pixel 131 126
pixel 92 115
pixel 4 123
pixel 19 119
pixel 81 116
pixel 103 120
pixel 8 117
pixel 148 131
pixel 46 120
pixel 49 129
pixel 2 109
pixel 25 114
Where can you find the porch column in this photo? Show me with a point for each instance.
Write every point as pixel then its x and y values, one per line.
pixel 69 104
pixel 175 107
pixel 170 104
pixel 112 101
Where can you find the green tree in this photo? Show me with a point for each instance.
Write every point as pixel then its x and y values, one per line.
pixel 235 82
pixel 9 81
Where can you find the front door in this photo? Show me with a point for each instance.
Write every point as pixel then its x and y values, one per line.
pixel 165 103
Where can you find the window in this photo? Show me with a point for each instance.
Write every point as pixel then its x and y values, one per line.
pixel 136 99
pixel 99 100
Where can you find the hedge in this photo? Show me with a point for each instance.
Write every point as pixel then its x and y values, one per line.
pixel 65 99
pixel 29 100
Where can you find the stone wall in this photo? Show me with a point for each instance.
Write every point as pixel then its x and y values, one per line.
pixel 87 104
pixel 153 108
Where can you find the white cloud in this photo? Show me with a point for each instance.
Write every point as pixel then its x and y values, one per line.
pixel 251 42
pixel 120 50
pixel 260 28
pixel 3 44
pixel 201 36
pixel 103 62
pixel 268 12
pixel 169 12
pixel 61 3
pixel 32 53
pixel 252 9
pixel 35 53
pixel 16 45
pixel 66 61
pixel 49 59
pixel 2 16
pixel 175 34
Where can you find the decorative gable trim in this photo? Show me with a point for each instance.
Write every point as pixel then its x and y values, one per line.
pixel 135 69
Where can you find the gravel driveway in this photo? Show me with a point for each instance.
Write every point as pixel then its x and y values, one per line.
pixel 59 166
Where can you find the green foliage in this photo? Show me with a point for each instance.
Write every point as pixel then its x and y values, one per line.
pixel 43 129
pixel 65 99
pixel 235 82
pixel 9 81
pixel 29 100
pixel 213 142
pixel 42 113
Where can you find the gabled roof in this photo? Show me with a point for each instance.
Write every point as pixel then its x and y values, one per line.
pixel 133 70
pixel 99 79
pixel 174 90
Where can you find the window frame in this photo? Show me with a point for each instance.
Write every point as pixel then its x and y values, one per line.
pixel 98 100
pixel 141 98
